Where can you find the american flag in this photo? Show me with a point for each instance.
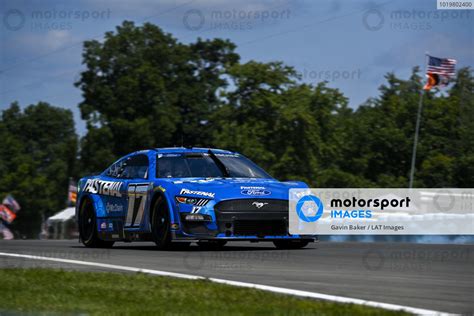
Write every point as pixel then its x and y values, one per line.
pixel 12 203
pixel 441 66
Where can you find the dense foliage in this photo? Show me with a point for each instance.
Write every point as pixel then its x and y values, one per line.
pixel 37 157
pixel 142 89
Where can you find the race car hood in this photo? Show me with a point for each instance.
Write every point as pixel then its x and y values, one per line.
pixel 233 188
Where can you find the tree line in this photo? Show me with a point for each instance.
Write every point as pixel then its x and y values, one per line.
pixel 142 88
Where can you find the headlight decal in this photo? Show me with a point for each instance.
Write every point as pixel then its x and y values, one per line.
pixel 193 201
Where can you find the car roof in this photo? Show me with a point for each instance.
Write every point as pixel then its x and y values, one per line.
pixel 169 150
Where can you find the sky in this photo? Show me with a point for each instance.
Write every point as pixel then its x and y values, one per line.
pixel 350 44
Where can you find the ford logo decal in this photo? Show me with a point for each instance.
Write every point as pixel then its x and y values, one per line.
pixel 255 192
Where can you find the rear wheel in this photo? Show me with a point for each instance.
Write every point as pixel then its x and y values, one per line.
pixel 88 227
pixel 160 224
pixel 290 244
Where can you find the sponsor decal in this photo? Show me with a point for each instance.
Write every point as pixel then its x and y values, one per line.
pixel 137 197
pixel 195 181
pixel 106 226
pixel 255 191
pixel 201 193
pixel 112 207
pixel 102 187
pixel 103 226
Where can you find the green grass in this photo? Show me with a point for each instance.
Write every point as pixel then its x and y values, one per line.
pixel 58 291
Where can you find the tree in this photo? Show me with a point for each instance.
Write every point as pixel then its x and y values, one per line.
pixel 143 89
pixel 383 128
pixel 462 96
pixel 37 158
pixel 293 130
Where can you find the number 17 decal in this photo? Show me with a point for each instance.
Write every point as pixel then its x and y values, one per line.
pixel 137 194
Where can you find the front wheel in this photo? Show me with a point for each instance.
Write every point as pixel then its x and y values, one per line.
pixel 290 244
pixel 160 224
pixel 88 227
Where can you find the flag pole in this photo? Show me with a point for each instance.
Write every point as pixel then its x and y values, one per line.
pixel 417 131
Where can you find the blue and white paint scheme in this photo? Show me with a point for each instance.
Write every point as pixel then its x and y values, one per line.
pixel 209 194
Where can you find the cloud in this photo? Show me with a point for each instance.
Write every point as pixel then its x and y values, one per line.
pixel 43 42
pixel 411 53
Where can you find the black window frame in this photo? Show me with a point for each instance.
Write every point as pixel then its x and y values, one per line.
pixel 222 168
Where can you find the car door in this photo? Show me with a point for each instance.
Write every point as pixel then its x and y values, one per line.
pixel 135 175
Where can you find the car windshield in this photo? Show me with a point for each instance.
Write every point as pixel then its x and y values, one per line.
pixel 205 165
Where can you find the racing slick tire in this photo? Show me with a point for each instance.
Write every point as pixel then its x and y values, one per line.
pixel 160 224
pixel 88 227
pixel 290 244
pixel 212 244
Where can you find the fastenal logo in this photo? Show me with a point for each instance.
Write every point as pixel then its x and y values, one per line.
pixel 309 208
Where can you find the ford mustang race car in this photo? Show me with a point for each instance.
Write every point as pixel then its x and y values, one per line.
pixel 175 196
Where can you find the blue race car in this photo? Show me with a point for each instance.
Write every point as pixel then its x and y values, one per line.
pixel 175 196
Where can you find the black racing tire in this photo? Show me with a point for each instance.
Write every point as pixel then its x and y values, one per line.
pixel 88 227
pixel 160 224
pixel 212 244
pixel 290 244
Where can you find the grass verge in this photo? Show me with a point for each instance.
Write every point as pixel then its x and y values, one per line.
pixel 58 291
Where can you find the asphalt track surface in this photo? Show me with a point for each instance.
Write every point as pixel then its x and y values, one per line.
pixel 434 277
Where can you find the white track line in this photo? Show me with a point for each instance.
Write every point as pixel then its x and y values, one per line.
pixel 334 298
